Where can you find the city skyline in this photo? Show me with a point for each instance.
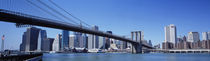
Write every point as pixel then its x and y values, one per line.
pixel 184 20
pixel 110 30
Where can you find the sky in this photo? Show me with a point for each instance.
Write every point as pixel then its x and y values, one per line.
pixel 119 16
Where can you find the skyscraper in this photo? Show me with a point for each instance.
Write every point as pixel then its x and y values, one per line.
pixel 42 38
pixel 72 41
pixel 30 39
pixel 57 43
pixel 184 38
pixel 107 40
pixel 47 44
pixel 78 39
pixel 96 38
pixel 170 34
pixel 65 39
pixel 101 42
pixel 90 41
pixel 23 44
pixel 208 33
pixel 2 43
pixel 150 42
pixel 85 40
pixel 125 44
pixel 193 37
pixel 93 40
pixel 205 35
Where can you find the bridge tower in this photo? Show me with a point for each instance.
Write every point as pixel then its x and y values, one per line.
pixel 136 47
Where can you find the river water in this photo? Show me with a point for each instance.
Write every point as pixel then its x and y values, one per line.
pixel 126 57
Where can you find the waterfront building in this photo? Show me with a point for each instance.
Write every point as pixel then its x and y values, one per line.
pixel 197 45
pixel 79 39
pixel 204 35
pixel 170 34
pixel 187 45
pixel 42 38
pixel 72 41
pixel 125 45
pixel 35 39
pixel 85 40
pixel 30 39
pixel 150 42
pixel 120 44
pixel 208 33
pixel 101 42
pixel 48 44
pixel 65 39
pixel 23 44
pixel 179 44
pixel 208 44
pixel 93 40
pixel 184 38
pixel 204 44
pixel 90 42
pixel 167 45
pixel 107 40
pixel 193 37
pixel 57 43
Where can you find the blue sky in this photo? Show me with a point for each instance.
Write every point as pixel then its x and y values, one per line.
pixel 119 16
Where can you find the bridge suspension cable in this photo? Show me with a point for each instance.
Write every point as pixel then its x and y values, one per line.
pixel 19 25
pixel 46 11
pixel 54 10
pixel 68 13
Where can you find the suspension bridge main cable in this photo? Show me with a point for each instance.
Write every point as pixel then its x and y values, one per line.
pixel 68 12
pixel 57 12
pixel 44 10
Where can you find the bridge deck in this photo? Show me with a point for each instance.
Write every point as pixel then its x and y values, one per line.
pixel 15 17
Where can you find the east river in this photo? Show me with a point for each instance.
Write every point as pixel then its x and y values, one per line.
pixel 126 57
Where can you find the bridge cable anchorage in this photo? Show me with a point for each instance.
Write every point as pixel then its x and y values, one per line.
pixel 54 10
pixel 68 13
pixel 46 11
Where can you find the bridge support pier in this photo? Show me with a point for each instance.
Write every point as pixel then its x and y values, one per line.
pixel 136 48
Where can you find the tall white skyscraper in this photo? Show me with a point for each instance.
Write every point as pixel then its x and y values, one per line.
pixel 204 35
pixel 42 38
pixel 208 33
pixel 56 43
pixel 101 42
pixel 170 33
pixel 72 41
pixel 93 40
pixel 193 37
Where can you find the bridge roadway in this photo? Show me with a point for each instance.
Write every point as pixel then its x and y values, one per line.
pixel 16 17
